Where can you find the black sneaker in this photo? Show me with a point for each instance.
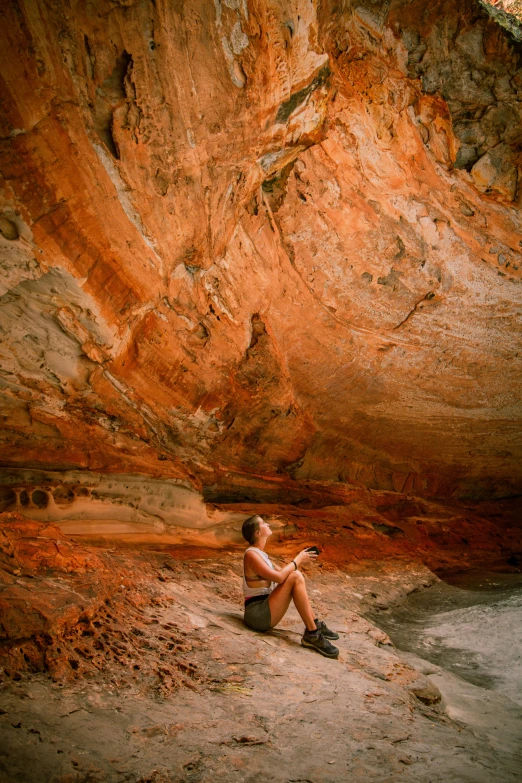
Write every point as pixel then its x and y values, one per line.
pixel 327 633
pixel 316 641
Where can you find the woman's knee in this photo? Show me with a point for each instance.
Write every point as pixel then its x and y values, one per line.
pixel 297 577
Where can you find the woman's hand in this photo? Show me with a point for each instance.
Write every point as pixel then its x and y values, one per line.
pixel 303 556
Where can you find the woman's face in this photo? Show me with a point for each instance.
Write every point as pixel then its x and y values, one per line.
pixel 264 529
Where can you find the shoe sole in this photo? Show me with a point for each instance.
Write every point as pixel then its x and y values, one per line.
pixel 318 649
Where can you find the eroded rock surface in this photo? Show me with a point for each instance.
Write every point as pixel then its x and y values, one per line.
pixel 69 608
pixel 256 256
pixel 258 707
pixel 73 612
pixel 263 238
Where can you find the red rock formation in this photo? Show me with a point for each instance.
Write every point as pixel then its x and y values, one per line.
pixel 73 612
pixel 256 238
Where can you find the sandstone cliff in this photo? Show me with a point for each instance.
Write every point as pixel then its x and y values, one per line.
pixel 268 239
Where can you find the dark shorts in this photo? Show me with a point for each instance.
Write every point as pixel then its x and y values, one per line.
pixel 257 615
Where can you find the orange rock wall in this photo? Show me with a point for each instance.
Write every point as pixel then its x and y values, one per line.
pixel 262 238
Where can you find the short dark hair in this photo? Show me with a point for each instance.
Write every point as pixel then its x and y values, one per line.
pixel 251 528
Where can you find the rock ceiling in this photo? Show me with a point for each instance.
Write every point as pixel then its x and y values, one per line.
pixel 262 238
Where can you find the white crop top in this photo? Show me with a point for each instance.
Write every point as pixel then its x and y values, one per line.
pixel 249 592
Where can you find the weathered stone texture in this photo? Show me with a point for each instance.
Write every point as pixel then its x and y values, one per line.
pixel 266 238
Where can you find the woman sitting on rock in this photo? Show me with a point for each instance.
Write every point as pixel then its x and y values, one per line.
pixel 269 589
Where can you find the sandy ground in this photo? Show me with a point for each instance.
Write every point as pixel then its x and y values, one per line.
pixel 258 707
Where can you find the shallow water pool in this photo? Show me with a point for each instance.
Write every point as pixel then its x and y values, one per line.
pixel 469 624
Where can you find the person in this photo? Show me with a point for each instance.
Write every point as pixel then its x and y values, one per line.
pixel 268 590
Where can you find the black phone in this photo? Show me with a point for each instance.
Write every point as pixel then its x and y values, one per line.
pixel 313 549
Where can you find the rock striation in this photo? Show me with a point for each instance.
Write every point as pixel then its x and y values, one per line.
pixel 261 240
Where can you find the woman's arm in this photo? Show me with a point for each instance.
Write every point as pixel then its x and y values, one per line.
pixel 258 564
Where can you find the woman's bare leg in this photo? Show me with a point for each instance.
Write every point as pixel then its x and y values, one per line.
pixel 293 588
